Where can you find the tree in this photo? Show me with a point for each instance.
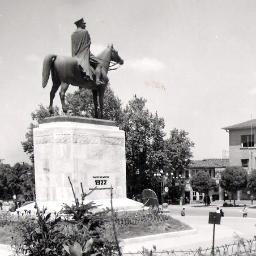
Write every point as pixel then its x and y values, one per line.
pixel 202 183
pixel 136 124
pixel 233 178
pixel 251 185
pixel 80 103
pixel 22 181
pixel 178 148
pixel 37 116
pixel 5 170
pixel 16 180
pixel 157 161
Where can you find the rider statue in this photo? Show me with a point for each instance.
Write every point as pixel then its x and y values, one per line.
pixel 88 63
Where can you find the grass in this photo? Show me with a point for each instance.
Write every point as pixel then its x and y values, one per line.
pixel 129 225
pixel 143 224
pixel 145 230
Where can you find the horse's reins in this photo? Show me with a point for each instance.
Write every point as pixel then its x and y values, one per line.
pixel 112 64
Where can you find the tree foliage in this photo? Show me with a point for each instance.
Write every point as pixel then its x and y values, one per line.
pixel 202 182
pixel 233 178
pixel 136 124
pixel 80 103
pixel 179 150
pixel 37 116
pixel 16 180
pixel 148 151
pixel 252 181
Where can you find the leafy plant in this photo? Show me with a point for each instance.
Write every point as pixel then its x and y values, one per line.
pixel 76 232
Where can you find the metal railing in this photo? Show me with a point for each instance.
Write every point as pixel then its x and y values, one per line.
pixel 241 247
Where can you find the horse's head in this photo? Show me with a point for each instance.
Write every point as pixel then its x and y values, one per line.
pixel 115 56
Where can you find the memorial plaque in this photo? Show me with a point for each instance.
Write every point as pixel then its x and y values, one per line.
pixel 100 182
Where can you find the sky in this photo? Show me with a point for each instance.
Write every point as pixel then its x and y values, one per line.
pixel 193 60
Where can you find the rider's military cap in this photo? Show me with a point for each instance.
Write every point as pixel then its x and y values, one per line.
pixel 80 21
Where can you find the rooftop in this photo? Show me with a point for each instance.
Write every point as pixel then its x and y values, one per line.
pixel 209 163
pixel 244 125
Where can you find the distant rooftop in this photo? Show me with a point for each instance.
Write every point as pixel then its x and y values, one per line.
pixel 209 163
pixel 245 125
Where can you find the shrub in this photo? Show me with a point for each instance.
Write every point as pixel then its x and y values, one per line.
pixel 76 232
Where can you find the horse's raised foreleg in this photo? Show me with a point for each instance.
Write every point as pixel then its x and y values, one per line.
pixel 63 90
pixel 95 102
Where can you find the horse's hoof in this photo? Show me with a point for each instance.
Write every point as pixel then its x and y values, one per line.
pixel 65 110
pixel 50 111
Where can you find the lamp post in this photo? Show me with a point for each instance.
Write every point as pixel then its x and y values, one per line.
pixel 160 175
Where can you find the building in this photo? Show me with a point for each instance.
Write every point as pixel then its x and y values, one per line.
pixel 214 167
pixel 242 150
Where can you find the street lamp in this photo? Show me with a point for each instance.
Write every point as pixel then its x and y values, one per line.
pixel 160 175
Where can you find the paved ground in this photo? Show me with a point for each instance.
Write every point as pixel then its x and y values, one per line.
pixel 5 250
pixel 232 225
pixel 201 210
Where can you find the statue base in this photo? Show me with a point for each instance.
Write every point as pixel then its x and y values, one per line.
pixel 119 205
pixel 88 152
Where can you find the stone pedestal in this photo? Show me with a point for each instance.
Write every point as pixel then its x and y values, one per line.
pixel 89 151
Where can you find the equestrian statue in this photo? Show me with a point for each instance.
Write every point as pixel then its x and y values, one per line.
pixel 83 69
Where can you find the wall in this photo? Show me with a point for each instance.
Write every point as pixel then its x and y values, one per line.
pixel 236 152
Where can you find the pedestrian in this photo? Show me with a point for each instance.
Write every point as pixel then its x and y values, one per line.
pixel 221 213
pixel 183 213
pixel 218 210
pixel 251 197
pixel 244 211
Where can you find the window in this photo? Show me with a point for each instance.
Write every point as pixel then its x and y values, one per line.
pixel 247 141
pixel 245 162
pixel 201 196
pixel 212 173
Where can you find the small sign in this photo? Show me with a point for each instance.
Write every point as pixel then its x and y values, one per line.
pixel 214 218
pixel 100 181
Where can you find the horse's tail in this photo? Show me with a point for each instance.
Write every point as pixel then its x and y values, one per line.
pixel 47 65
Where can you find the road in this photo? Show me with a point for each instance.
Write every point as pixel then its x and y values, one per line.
pixel 233 226
pixel 204 210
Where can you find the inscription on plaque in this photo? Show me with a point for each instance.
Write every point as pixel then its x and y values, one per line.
pixel 101 182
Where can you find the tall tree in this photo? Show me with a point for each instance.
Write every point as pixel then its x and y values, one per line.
pixel 146 158
pixel 202 183
pixel 179 150
pixel 23 180
pixel 157 161
pixel 233 178
pixel 136 124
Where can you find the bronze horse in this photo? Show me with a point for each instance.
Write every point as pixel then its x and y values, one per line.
pixel 65 71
